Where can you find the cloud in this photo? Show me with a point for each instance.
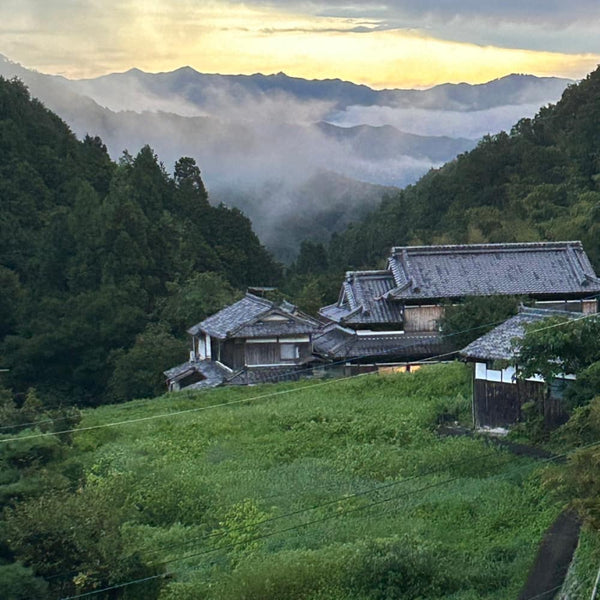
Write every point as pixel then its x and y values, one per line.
pixel 552 25
pixel 472 124
pixel 549 11
pixel 383 44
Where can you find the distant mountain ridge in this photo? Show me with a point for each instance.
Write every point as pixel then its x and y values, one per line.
pixel 268 144
pixel 538 182
pixel 192 85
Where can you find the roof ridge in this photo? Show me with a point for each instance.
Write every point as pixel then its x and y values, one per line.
pixel 371 272
pixel 258 299
pixel 512 246
pixel 544 312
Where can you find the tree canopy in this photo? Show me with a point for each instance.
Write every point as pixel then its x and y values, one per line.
pixel 93 252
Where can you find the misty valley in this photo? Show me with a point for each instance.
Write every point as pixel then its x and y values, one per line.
pixel 301 158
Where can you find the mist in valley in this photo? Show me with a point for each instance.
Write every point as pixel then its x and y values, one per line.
pixel 300 160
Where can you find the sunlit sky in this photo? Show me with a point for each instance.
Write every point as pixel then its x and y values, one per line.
pixel 412 43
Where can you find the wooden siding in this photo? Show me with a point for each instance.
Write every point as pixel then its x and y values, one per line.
pixel 232 353
pixel 583 306
pixel 497 404
pixel 422 318
pixel 270 354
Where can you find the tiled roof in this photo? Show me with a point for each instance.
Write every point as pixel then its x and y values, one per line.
pixel 213 374
pixel 339 343
pixel 232 317
pixel 497 344
pixel 362 300
pixel 255 375
pixel 539 269
pixel 295 326
pixel 243 319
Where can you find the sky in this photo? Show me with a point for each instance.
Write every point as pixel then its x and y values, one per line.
pixel 381 43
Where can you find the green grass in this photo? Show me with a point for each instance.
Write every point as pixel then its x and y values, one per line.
pixel 384 507
pixel 584 568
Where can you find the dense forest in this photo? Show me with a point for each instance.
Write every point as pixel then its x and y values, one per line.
pixel 83 238
pixel 540 181
pixel 103 265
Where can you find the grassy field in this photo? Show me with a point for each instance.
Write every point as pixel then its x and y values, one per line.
pixel 318 490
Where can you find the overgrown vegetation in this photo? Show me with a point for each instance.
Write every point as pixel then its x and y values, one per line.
pixel 330 492
pixel 101 264
pixel 326 490
pixel 537 182
pixel 475 316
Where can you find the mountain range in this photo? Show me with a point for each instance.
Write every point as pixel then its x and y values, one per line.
pixel 302 158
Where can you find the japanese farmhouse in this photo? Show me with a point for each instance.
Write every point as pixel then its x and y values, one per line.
pixel 395 312
pixel 498 396
pixel 251 341
pixel 383 316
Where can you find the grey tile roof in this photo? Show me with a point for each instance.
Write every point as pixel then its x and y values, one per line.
pixel 256 375
pixel 497 344
pixel 362 300
pixel 213 374
pixel 231 317
pixel 538 269
pixel 339 343
pixel 243 319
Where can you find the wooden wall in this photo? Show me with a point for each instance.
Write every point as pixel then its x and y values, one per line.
pixel 422 318
pixel 270 354
pixel 232 354
pixel 498 404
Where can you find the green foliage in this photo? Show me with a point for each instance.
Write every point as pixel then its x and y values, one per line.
pixel 557 346
pixel 91 251
pixel 294 496
pixel 238 529
pixel 76 536
pixel 139 370
pixel 402 568
pixel 584 567
pixel 477 315
pixel 585 387
pixel 312 258
pixel 200 296
pixel 579 483
pixel 583 427
pixel 538 182
pixel 19 583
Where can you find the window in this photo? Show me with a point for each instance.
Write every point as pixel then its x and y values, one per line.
pixel 289 351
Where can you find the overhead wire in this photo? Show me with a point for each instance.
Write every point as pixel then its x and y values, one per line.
pixel 337 500
pixel 246 400
pixel 234 402
pixel 308 523
pixel 281 376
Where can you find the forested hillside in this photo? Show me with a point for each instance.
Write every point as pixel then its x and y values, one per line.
pixel 541 181
pixel 316 491
pixel 102 263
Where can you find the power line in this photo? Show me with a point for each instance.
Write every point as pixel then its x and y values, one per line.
pixel 277 378
pixel 180 412
pixel 338 500
pixel 201 408
pixel 377 502
pixel 308 523
pixel 569 321
pixel 234 402
pixel 344 498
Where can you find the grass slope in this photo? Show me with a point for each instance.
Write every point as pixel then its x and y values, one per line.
pixel 328 492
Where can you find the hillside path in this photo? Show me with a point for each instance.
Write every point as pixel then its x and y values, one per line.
pixel 554 556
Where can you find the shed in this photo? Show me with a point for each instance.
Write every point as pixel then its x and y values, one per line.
pixel 498 396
